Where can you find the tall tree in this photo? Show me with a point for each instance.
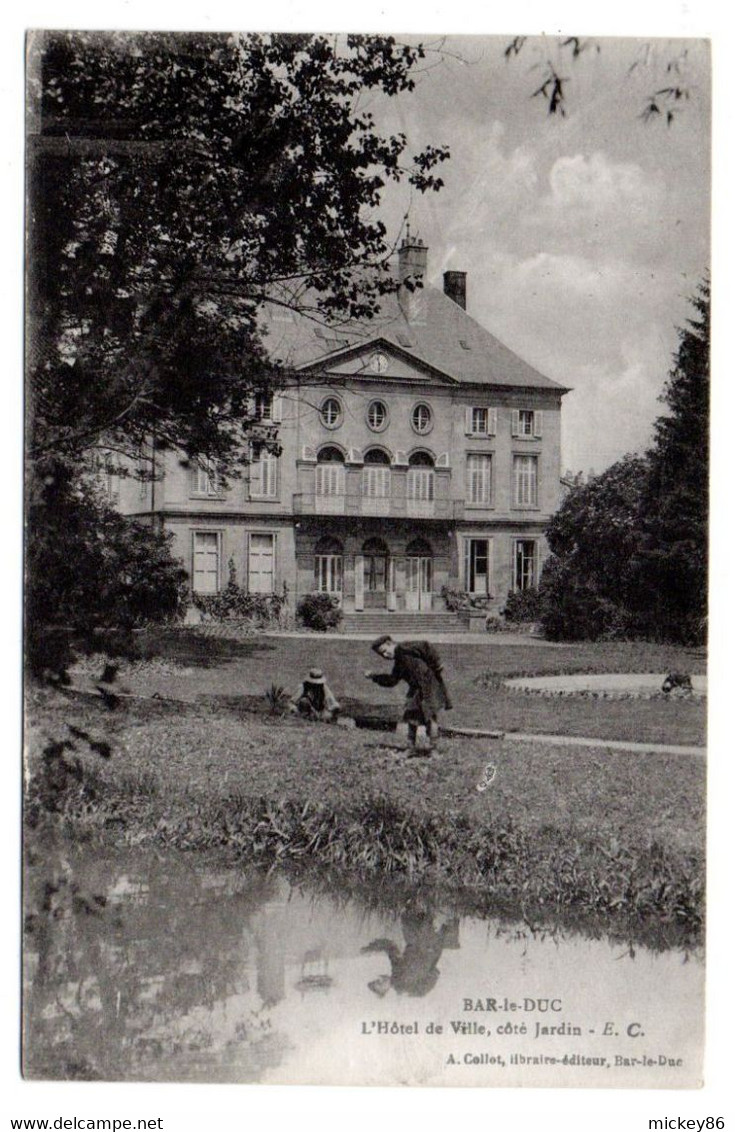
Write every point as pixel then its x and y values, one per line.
pixel 586 583
pixel 629 548
pixel 177 182
pixel 671 564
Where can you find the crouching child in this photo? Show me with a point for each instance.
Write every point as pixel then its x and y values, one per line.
pixel 315 699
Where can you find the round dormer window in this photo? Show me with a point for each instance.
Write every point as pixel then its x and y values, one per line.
pixel 377 415
pixel 421 419
pixel 331 412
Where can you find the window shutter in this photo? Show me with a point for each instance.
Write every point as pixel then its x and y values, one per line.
pixel 277 408
pixel 275 466
pixel 194 479
pixel 492 422
pixel 468 420
pixel 490 568
pixel 256 475
pixel 515 427
pixel 538 421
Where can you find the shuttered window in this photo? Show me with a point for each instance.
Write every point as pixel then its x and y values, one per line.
pixel 261 563
pixel 420 487
pixel 206 554
pixel 525 481
pixel 527 423
pixel 479 478
pixel 330 479
pixel 375 482
pixel 264 476
pixel 203 480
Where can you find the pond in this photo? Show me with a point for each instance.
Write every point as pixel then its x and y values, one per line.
pixel 152 967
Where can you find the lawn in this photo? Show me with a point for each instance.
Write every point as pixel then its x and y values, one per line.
pixel 192 666
pixel 606 836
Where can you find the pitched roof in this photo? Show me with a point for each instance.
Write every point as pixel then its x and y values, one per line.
pixel 443 336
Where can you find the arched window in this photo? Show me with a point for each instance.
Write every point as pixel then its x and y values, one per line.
pixel 376 556
pixel 328 566
pixel 420 487
pixel 330 471
pixel 376 456
pixel 376 474
pixel 418 548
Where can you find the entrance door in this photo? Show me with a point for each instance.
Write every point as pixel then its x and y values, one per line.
pixel 375 573
pixel 418 583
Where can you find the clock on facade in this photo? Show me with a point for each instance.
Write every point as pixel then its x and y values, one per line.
pixel 379 362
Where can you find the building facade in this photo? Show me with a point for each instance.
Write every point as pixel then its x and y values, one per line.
pixel 418 454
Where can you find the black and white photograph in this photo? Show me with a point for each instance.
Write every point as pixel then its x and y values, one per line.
pixel 367 414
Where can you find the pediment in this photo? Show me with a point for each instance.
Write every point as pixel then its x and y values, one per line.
pixel 377 360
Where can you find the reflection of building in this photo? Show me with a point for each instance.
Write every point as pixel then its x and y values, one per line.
pixel 269 932
pixel 417 452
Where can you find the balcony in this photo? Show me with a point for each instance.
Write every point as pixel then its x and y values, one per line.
pixel 309 503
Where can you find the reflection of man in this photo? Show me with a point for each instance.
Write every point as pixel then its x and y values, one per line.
pixel 418 663
pixel 414 971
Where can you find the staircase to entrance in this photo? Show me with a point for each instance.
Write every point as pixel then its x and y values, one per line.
pixel 417 624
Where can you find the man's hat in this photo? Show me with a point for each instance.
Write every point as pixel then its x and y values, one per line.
pixel 316 676
pixel 376 645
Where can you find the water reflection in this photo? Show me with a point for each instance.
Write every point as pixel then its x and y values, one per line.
pixel 145 967
pixel 414 970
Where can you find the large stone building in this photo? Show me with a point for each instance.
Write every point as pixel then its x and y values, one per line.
pixel 418 453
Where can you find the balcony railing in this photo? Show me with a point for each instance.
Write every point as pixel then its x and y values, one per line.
pixel 309 503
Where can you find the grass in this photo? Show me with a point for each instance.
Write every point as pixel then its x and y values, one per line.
pixel 192 666
pixel 605 837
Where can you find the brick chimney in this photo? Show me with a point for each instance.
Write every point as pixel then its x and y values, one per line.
pixel 412 257
pixel 455 287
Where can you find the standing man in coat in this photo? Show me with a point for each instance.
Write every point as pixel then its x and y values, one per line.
pixel 418 663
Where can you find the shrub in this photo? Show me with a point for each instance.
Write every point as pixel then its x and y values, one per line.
pixel 573 609
pixel 319 611
pixel 233 603
pixel 523 605
pixel 90 568
pixel 458 601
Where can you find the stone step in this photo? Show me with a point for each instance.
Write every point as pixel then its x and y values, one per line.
pixel 401 622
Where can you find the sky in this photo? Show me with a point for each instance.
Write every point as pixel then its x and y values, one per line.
pixel 583 236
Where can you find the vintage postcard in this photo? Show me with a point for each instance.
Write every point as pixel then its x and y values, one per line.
pixel 367 480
